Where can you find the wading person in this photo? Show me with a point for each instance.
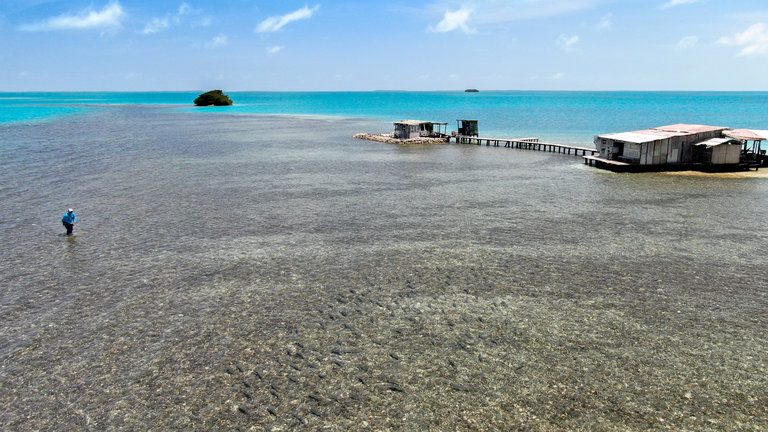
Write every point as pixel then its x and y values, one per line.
pixel 69 220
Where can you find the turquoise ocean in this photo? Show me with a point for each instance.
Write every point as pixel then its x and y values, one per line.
pixel 573 117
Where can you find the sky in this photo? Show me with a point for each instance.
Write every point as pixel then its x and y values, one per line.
pixel 336 45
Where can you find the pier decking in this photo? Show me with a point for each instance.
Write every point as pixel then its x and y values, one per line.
pixel 599 162
pixel 527 144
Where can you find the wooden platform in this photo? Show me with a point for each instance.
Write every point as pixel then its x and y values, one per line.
pixel 608 164
pixel 527 144
pixel 597 159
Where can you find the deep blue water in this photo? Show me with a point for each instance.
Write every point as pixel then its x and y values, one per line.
pixel 561 116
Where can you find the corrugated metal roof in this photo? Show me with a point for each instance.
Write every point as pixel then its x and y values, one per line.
pixel 411 122
pixel 418 122
pixel 747 134
pixel 639 137
pixel 689 128
pixel 660 133
pixel 714 142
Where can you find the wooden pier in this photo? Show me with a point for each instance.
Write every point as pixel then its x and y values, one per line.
pixel 527 144
pixel 608 164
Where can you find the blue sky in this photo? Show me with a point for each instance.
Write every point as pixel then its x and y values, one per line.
pixel 379 45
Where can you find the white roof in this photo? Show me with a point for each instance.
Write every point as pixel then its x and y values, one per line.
pixel 714 142
pixel 411 122
pixel 640 137
pixel 747 134
pixel 660 133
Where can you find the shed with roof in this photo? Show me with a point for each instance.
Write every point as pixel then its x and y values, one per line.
pixel 406 129
pixel 467 127
pixel 668 145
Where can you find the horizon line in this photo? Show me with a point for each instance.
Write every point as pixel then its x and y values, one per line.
pixel 398 91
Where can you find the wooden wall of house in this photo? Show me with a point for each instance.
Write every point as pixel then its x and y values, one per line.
pixel 406 131
pixel 725 154
pixel 655 152
pixel 632 152
pixel 734 154
pixel 673 150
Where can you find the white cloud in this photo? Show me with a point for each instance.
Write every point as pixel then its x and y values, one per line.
pixel 274 49
pixel 558 76
pixel 606 22
pixel 687 42
pixel 673 3
pixel 275 23
pixel 184 9
pixel 156 25
pixel 218 40
pixel 566 42
pixel 109 16
pixel 455 20
pixel 754 40
pixel 506 11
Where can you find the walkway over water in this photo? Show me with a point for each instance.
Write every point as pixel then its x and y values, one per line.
pixel 526 144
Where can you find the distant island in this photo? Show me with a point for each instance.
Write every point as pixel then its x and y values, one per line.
pixel 213 97
pixel 471 91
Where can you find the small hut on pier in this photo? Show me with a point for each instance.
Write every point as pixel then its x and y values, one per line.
pixel 752 139
pixel 467 127
pixel 717 151
pixel 406 129
pixel 746 135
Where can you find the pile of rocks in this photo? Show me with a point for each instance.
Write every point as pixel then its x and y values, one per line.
pixel 390 139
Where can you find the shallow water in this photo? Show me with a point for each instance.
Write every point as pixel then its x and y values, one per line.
pixel 553 116
pixel 263 272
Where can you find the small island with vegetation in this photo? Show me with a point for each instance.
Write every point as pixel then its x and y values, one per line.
pixel 472 90
pixel 213 97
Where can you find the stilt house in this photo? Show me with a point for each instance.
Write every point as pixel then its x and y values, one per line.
pixel 670 145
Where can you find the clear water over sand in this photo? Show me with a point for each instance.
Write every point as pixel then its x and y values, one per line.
pixel 256 272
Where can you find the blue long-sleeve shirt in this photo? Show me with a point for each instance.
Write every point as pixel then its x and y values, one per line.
pixel 69 218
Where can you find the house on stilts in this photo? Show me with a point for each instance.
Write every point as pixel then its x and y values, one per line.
pixel 678 146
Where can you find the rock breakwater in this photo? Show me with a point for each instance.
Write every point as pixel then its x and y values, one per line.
pixel 390 139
